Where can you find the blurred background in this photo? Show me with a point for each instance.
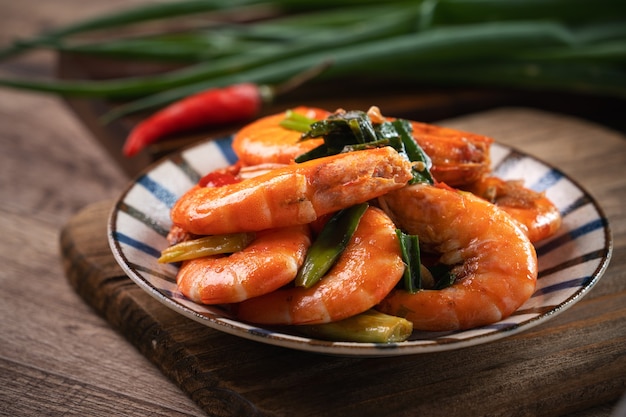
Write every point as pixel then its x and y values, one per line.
pixel 117 63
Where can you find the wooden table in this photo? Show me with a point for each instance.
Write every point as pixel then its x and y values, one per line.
pixel 60 355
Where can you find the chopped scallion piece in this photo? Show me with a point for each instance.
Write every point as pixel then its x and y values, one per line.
pixel 421 169
pixel 368 327
pixel 206 246
pixel 297 122
pixel 329 245
pixel 409 246
pixel 443 275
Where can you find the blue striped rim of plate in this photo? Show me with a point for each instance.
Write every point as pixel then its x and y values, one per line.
pixel 570 262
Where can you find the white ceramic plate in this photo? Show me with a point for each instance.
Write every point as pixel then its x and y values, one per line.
pixel 570 262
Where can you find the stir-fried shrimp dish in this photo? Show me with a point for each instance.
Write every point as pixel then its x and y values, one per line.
pixel 352 226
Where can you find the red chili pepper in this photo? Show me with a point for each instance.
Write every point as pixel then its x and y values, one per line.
pixel 216 106
pixel 221 177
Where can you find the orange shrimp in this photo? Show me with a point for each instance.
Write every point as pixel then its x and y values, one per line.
pixel 494 262
pixel 458 157
pixel 533 211
pixel 265 141
pixel 370 266
pixel 292 195
pixel 270 261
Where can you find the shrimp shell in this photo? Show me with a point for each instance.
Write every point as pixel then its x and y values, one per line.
pixel 369 267
pixel 494 261
pixel 292 195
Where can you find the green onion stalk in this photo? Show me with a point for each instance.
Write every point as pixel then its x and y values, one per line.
pixel 329 245
pixel 368 327
pixel 559 45
pixel 205 246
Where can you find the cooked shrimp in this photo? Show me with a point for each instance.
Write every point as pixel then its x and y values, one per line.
pixel 533 211
pixel 270 261
pixel 370 266
pixel 458 157
pixel 495 264
pixel 292 195
pixel 264 140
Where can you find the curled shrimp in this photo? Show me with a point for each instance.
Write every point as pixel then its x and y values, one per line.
pixel 494 263
pixel 270 261
pixel 369 267
pixel 533 211
pixel 291 195
pixel 266 141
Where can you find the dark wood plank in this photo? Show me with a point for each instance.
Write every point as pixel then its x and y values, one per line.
pixel 583 352
pixel 59 354
pixel 72 396
pixel 573 362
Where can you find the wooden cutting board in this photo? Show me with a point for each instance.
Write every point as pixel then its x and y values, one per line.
pixel 573 362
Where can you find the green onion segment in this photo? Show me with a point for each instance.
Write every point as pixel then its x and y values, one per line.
pixel 370 326
pixel 557 45
pixel 329 245
pixel 206 246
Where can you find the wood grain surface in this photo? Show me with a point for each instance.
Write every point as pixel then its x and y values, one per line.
pixel 575 361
